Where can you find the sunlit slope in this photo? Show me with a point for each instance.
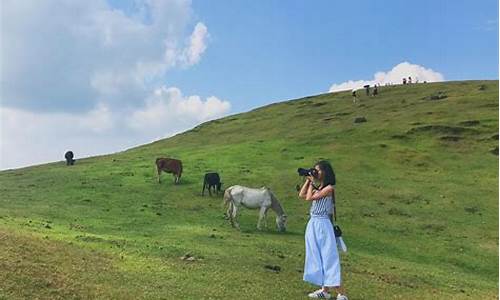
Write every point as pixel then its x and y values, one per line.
pixel 417 192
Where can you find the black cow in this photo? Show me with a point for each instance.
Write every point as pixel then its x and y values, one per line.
pixel 69 158
pixel 212 180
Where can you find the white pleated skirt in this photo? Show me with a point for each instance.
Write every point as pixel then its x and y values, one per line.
pixel 322 262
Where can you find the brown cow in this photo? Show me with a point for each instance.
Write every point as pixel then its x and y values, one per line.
pixel 169 165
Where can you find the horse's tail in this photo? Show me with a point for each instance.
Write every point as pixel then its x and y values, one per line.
pixel 228 198
pixel 229 202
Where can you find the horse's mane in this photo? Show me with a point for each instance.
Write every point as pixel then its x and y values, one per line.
pixel 275 204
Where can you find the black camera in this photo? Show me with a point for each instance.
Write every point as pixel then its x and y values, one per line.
pixel 307 172
pixel 337 231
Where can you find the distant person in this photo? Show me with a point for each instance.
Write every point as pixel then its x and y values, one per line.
pixel 367 89
pixel 375 91
pixel 404 80
pixel 409 79
pixel 354 97
pixel 322 260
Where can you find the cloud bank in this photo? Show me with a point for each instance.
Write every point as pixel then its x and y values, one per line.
pixel 86 76
pixel 394 76
pixel 168 105
pixel 32 137
pixel 59 55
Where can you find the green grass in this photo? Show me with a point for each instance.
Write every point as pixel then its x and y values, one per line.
pixel 417 197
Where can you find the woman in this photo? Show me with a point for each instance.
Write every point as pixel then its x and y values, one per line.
pixel 322 262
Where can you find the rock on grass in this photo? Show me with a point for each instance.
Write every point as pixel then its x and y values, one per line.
pixel 494 151
pixel 360 120
pixel 276 268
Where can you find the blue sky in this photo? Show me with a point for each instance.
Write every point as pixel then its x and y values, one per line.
pixel 263 51
pixel 104 75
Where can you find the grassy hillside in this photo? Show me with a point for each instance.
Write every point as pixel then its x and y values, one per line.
pixel 417 196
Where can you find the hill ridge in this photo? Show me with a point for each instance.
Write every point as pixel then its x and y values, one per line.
pixel 413 225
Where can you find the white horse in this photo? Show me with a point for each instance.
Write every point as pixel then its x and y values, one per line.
pixel 237 196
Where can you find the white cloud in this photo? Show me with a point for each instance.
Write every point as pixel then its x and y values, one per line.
pixel 167 107
pixel 99 119
pixel 197 44
pixel 90 52
pixel 34 137
pixel 190 53
pixel 83 75
pixel 394 76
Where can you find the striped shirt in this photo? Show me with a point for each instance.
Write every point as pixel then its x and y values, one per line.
pixel 322 207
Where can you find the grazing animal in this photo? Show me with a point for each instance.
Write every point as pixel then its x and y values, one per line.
pixel 169 165
pixel 237 196
pixel 212 180
pixel 69 158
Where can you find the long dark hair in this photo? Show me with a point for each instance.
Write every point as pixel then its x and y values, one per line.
pixel 328 173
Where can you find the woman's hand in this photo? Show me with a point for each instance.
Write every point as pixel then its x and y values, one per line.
pixel 310 178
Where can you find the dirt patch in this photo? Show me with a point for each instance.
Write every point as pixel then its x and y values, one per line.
pixel 190 257
pixel 273 268
pixel 437 96
pixel 451 138
pixel 472 209
pixel 441 129
pixel 126 173
pixel 395 280
pixel 391 279
pixel 470 123
pixel 409 200
pixel 96 239
pixel 489 105
pixel 433 228
pixel 494 151
pixel 318 104
pixel 306 103
pixel 76 226
pixel 399 137
pixel 398 212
